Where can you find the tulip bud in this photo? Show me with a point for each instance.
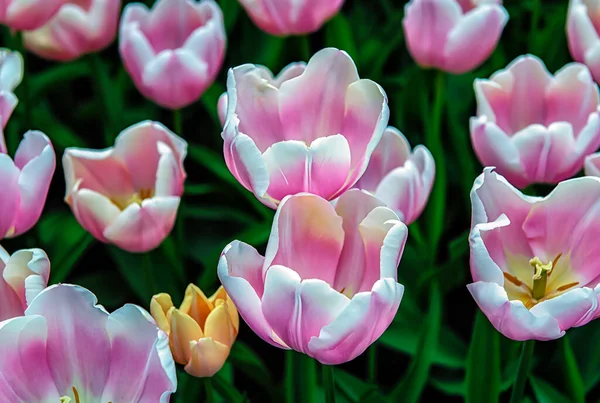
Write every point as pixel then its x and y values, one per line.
pixel 201 332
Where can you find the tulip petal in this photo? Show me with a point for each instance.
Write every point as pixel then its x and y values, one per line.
pixel 27 265
pixel 592 165
pixel 8 102
pixel 10 195
pixel 11 70
pixel 183 330
pixel 581 33
pixel 572 309
pixel 219 327
pixel 94 212
pixel 208 357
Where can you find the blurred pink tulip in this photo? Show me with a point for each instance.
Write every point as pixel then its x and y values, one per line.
pixel 23 275
pixel 291 17
pixel 440 35
pixel 128 194
pixel 11 74
pixel 468 5
pixel 327 286
pixel 534 260
pixel 312 129
pixel 79 27
pixel 68 349
pixel 398 176
pixel 28 14
pixel 592 165
pixel 535 127
pixel 25 182
pixel 174 51
pixel 583 32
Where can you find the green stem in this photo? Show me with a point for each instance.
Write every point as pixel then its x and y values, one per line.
pixel 209 390
pixel 523 372
pixel 300 378
pixel 328 383
pixel 372 363
pixel 178 128
pixel 305 52
pixel 24 97
pixel 102 83
pixel 148 275
pixel 178 122
pixel 289 376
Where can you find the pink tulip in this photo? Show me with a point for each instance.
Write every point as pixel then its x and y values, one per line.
pixel 291 17
pixel 533 259
pixel 128 194
pixel 312 129
pixel 28 14
pixel 79 27
pixel 592 165
pixel 68 349
pixel 23 275
pixel 398 176
pixel 440 35
pixel 25 182
pixel 327 286
pixel 468 5
pixel 535 127
pixel 174 51
pixel 11 74
pixel 583 32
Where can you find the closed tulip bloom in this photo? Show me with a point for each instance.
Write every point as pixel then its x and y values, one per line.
pixel 128 194
pixel 201 332
pixel 291 17
pixel 400 177
pixel 23 275
pixel 327 285
pixel 535 127
pixel 534 260
pixel 11 74
pixel 28 14
pixel 441 35
pixel 174 51
pixel 69 349
pixel 79 27
pixel 312 129
pixel 25 183
pixel 583 33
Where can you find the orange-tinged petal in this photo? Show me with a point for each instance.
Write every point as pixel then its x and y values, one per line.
pixel 221 294
pixel 183 330
pixel 196 305
pixel 159 307
pixel 208 357
pixel 219 325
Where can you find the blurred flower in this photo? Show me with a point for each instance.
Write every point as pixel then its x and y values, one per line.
pixel 534 260
pixel 23 275
pixel 291 17
pixel 327 286
pixel 592 165
pixel 440 35
pixel 128 194
pixel 399 177
pixel 68 349
pixel 583 32
pixel 11 74
pixel 80 27
pixel 468 5
pixel 28 14
pixel 25 182
pixel 174 51
pixel 312 129
pixel 201 332
pixel 535 127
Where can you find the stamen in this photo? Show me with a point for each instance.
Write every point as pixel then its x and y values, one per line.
pixel 554 263
pixel 567 286
pixel 75 394
pixel 512 279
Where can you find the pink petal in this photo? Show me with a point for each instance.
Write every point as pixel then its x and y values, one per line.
pixel 135 49
pixel 169 176
pixel 581 33
pixel 8 102
pixel 10 195
pixel 28 15
pixel 10 303
pixel 592 165
pixel 574 308
pixel 11 69
pixel 94 212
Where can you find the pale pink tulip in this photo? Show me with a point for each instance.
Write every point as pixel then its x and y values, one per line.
pixel 174 51
pixel 535 127
pixel 79 27
pixel 312 129
pixel 23 275
pixel 25 183
pixel 534 260
pixel 28 14
pixel 69 349
pixel 440 35
pixel 327 286
pixel 11 74
pixel 400 177
pixel 128 194
pixel 468 5
pixel 583 32
pixel 592 165
pixel 291 17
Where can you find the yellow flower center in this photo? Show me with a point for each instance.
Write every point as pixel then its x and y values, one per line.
pixel 137 198
pixel 67 399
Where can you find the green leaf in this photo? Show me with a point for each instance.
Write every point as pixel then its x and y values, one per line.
pixel 253 366
pixel 351 387
pixel 62 136
pixel 200 189
pixel 231 12
pixel 226 389
pixel 189 388
pixel 483 363
pixel 338 34
pixel 109 294
pixel 571 372
pixel 587 354
pixel 57 75
pixel 210 100
pixel 546 392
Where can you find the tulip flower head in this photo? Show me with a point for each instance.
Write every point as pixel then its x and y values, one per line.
pixel 11 74
pixel 174 51
pixel 327 285
pixel 400 177
pixel 535 127
pixel 201 332
pixel 312 129
pixel 79 27
pixel 440 34
pixel 534 260
pixel 68 349
pixel 583 33
pixel 23 275
pixel 128 194
pixel 28 14
pixel 291 17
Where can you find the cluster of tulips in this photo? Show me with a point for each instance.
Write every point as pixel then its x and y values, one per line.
pixel 312 143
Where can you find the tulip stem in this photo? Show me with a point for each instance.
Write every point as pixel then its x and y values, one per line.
pixel 24 96
pixel 372 363
pixel 102 83
pixel 523 372
pixel 328 383
pixel 209 390
pixel 178 122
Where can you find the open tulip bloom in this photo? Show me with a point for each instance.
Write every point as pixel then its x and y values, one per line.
pixel 534 260
pixel 312 129
pixel 128 194
pixel 68 349
pixel 327 285
pixel 535 127
pixel 583 32
pixel 11 74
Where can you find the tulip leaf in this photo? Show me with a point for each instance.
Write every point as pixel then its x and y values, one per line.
pixel 483 363
pixel 546 392
pixel 189 388
pixel 231 11
pixel 572 376
pixel 587 354
pixel 252 365
pixel 351 387
pixel 57 76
